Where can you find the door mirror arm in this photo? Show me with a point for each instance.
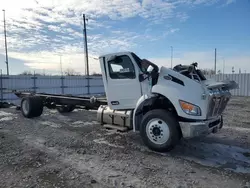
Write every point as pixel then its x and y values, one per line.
pixel 144 76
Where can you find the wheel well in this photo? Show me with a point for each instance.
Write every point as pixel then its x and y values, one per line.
pixel 157 102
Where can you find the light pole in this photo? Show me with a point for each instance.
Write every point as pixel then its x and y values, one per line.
pixel 61 65
pixel 86 50
pixel 215 57
pixel 171 56
pixel 223 65
pixel 6 48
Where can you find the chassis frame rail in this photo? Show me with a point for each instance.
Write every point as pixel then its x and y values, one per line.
pixel 53 100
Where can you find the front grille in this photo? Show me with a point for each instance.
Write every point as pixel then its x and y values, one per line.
pixel 217 102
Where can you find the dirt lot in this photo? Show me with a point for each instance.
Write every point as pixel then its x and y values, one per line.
pixel 72 150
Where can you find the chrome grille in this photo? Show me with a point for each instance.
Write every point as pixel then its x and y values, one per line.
pixel 217 102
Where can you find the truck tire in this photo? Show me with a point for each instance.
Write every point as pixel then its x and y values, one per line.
pixel 160 130
pixel 31 107
pixel 65 109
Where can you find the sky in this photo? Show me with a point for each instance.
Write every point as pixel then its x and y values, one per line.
pixel 39 32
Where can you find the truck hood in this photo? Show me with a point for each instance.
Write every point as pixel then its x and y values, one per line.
pixel 225 84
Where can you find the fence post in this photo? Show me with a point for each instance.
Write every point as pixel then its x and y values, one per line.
pixel 34 82
pixel 62 84
pixel 1 85
pixel 88 85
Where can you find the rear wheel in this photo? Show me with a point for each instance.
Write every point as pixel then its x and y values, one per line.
pixel 159 130
pixel 32 107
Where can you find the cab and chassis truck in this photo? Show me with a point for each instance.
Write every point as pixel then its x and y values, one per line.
pixel 164 105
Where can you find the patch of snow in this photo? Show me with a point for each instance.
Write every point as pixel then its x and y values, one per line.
pixel 77 122
pixel 113 131
pixel 82 123
pixel 93 110
pixel 2 113
pixel 103 141
pixel 53 111
pixel 77 110
pixel 6 119
pixel 51 124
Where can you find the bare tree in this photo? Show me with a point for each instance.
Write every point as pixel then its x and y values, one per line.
pixel 96 74
pixel 26 73
pixel 207 71
pixel 71 72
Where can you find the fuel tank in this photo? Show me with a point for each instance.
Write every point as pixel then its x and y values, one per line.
pixel 122 118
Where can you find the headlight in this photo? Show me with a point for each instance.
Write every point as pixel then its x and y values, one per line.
pixel 190 109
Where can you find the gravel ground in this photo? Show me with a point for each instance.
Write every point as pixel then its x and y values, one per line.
pixel 73 150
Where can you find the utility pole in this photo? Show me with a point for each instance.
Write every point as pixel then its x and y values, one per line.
pixel 61 65
pixel 171 56
pixel 223 65
pixel 86 51
pixel 215 60
pixel 6 48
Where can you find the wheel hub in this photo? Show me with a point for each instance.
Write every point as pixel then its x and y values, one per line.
pixel 157 131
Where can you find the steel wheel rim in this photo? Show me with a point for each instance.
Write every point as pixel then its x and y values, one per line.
pixel 25 107
pixel 157 131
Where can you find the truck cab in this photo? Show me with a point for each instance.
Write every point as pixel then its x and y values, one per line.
pixel 163 104
pixel 124 77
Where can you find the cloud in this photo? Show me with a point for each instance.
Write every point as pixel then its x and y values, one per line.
pixel 39 29
pixel 38 61
pixel 230 2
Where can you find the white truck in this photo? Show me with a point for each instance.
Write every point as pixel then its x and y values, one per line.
pixel 163 104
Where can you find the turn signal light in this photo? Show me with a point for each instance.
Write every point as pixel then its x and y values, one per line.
pixel 190 109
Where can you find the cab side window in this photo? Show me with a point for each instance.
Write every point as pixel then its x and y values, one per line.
pixel 121 68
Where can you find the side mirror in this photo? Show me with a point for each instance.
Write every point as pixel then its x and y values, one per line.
pixel 150 69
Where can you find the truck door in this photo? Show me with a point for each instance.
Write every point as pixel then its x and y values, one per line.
pixel 122 84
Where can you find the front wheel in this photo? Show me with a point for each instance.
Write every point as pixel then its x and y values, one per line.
pixel 160 130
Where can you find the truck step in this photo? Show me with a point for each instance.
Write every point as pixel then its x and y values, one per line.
pixel 118 128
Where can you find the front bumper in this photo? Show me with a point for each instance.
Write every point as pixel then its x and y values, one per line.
pixel 199 128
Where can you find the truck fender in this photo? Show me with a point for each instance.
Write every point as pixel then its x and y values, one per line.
pixel 143 100
pixel 173 95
